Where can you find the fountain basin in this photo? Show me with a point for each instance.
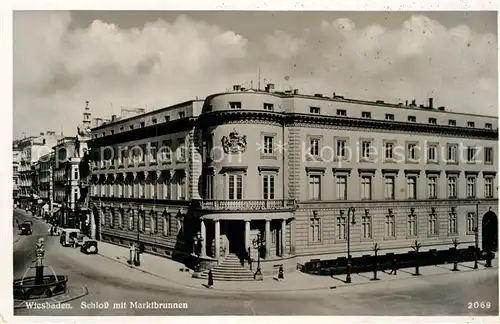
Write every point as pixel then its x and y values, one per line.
pixel 52 285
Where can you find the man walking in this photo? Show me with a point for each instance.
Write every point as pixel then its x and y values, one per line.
pixel 210 279
pixel 394 269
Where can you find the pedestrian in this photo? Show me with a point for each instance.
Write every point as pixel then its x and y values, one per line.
pixel 281 275
pixel 250 263
pixel 394 269
pixel 51 230
pixel 210 279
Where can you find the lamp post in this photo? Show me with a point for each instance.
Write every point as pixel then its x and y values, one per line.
pixel 416 247
pixel 476 235
pixel 138 251
pixel 375 248
pixel 455 255
pixel 257 244
pixel 197 248
pixel 351 209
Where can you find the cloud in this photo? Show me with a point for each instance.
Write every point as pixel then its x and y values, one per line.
pixel 58 67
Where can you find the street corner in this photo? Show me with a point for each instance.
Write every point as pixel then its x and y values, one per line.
pixel 56 302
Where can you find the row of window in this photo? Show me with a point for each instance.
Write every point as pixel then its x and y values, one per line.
pixel 164 189
pixel 366 184
pixel 315 226
pixel 154 121
pixel 152 228
pixel 367 151
pixel 142 153
pixel 364 114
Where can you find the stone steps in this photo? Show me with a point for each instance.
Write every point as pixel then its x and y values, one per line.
pixel 230 269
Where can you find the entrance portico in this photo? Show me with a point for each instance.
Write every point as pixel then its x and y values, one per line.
pixel 234 233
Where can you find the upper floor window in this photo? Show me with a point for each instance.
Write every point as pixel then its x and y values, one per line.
pixel 470 124
pixel 412 119
pixel 432 187
pixel 411 153
pixel 341 112
pixel 315 110
pixel 432 153
pixel 411 185
pixel 452 122
pixel 471 187
pixel 341 186
pixel 432 121
pixel 314 146
pixel 314 187
pixel 389 187
pixel 268 186
pixel 341 227
pixel 341 148
pixel 452 187
pixel 153 121
pixel 182 114
pixel 268 145
pixel 365 149
pixel 268 106
pixel 366 114
pixel 235 186
pixel 390 225
pixel 366 187
pixel 488 125
pixel 471 154
pixel 452 153
pixel 315 229
pixel 488 155
pixel 143 124
pixel 488 187
pixel 389 150
pixel 389 116
pixel 471 222
pixel 167 119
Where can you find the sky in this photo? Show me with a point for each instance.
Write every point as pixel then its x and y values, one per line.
pixel 153 59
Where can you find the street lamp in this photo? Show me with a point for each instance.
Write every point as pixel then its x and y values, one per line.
pixel 349 266
pixel 197 239
pixel 476 235
pixel 138 251
pixel 257 244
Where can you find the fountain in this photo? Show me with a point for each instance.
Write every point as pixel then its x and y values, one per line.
pixel 40 285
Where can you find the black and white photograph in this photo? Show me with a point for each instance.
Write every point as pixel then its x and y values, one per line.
pixel 254 163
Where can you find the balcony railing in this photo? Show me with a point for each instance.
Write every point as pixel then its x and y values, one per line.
pixel 248 205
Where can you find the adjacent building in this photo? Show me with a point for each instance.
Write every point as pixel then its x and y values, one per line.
pixel 32 148
pixel 16 161
pixel 220 176
pixel 44 170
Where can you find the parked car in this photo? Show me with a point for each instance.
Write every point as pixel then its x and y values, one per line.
pixel 70 237
pixel 26 228
pixel 89 247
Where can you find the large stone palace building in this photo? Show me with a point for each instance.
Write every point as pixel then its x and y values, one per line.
pixel 216 173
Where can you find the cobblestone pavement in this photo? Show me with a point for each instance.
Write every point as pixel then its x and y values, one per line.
pixel 109 281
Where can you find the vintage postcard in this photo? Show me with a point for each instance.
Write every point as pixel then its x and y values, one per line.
pixel 176 163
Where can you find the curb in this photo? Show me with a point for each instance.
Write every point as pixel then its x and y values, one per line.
pixel 22 303
pixel 287 290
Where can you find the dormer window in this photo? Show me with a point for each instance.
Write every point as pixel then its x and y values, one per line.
pixel 131 126
pixel 142 124
pixel 412 119
pixel 153 121
pixel 112 132
pixel 389 116
pixel 182 114
pixel 268 106
pixel 488 126
pixel 121 129
pixel 235 105
pixel 432 121
pixel 314 110
pixel 452 122
pixel 470 124
pixel 167 119
pixel 366 114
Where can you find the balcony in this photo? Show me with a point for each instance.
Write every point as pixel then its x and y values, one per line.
pixel 246 205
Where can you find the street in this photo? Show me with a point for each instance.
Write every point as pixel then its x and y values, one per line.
pixel 110 282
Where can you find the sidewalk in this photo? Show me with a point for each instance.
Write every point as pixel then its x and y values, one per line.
pixel 177 274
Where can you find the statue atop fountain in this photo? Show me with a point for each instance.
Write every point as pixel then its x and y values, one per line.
pixel 40 253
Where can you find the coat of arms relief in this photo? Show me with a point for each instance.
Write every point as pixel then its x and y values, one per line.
pixel 234 143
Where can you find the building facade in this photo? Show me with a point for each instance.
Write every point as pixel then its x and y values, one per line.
pixel 16 161
pixel 220 173
pixel 44 170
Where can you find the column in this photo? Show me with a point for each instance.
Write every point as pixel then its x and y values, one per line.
pixel 203 239
pixel 217 238
pixel 292 237
pixel 268 238
pixel 282 237
pixel 247 235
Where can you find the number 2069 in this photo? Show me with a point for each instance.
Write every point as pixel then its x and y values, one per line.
pixel 479 305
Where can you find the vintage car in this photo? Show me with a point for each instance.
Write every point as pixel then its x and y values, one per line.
pixel 26 228
pixel 70 237
pixel 89 247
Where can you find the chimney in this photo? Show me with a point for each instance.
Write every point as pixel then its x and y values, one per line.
pixel 406 102
pixel 414 103
pixel 441 108
pixel 113 117
pixel 236 87
pixel 270 87
pixel 431 102
pixel 318 95
pixel 41 133
pixel 334 95
pixel 295 91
